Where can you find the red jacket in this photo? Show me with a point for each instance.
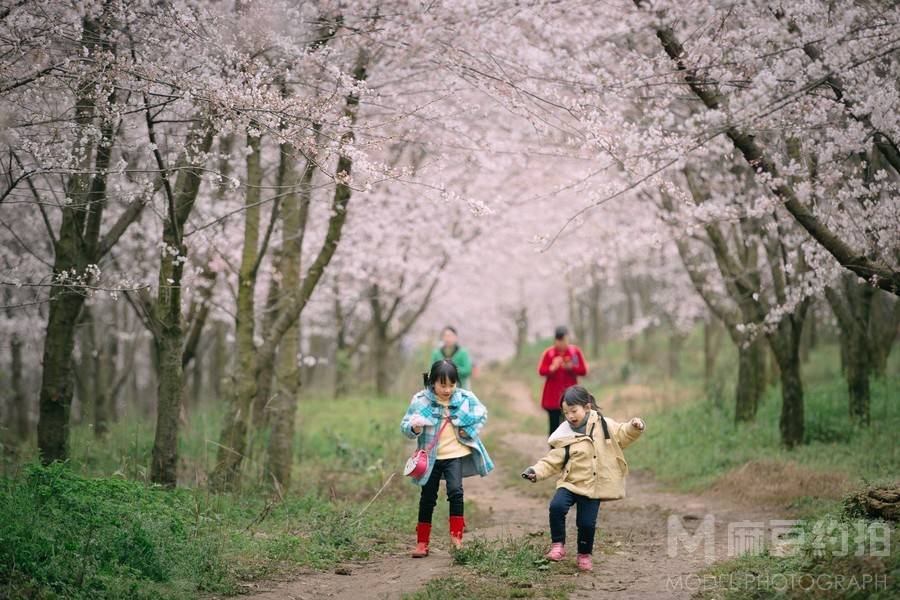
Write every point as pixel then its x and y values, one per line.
pixel 562 378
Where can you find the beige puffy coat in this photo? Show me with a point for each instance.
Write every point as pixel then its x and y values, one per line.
pixel 596 467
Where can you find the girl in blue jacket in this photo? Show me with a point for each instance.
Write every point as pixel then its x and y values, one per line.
pixel 445 421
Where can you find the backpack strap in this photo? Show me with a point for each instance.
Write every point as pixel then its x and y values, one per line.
pixel 606 435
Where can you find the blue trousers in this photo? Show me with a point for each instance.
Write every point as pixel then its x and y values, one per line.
pixel 585 520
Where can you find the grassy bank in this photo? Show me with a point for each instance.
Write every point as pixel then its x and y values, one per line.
pixel 94 528
pixel 695 444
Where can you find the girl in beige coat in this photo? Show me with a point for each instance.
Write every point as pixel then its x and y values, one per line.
pixel 587 450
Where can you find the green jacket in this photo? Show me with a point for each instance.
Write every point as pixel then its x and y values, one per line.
pixel 462 361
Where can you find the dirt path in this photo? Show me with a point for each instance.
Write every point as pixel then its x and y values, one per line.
pixel 631 557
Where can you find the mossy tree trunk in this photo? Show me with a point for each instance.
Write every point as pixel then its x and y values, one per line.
pixel 851 302
pixel 283 410
pixel 164 317
pixel 751 382
pixel 233 440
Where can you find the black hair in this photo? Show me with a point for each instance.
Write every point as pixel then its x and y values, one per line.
pixel 442 370
pixel 561 332
pixel 577 395
pixel 449 328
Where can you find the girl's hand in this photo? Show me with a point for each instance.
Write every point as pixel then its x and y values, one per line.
pixel 638 424
pixel 529 474
pixel 417 422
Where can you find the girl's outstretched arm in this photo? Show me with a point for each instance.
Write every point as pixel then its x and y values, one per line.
pixel 626 432
pixel 550 465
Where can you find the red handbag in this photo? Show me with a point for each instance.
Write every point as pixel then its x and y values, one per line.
pixel 417 464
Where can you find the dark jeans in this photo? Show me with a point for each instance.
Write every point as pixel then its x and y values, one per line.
pixel 449 469
pixel 555 418
pixel 586 520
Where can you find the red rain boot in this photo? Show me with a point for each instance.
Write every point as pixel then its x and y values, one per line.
pixel 423 535
pixel 457 526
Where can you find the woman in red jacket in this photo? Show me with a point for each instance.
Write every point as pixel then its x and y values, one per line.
pixel 562 364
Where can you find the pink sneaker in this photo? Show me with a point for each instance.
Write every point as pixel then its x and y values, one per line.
pixel 557 552
pixel 584 562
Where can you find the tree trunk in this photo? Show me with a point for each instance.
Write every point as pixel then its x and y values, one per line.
pixel 842 348
pixel 884 324
pixel 380 352
pixel 164 463
pixel 341 347
pixel 197 387
pixel 852 303
pixel 630 316
pixel 791 422
pixel 342 368
pixel 104 378
pixel 576 315
pixel 521 331
pixel 808 338
pixel 18 398
pixel 784 343
pixel 710 350
pixel 676 345
pixel 76 246
pixel 233 440
pixel 751 379
pixel 56 380
pixel 595 317
pixel 114 374
pixel 857 374
pixel 266 370
pixel 284 410
pixel 217 361
pixel 166 313
pixel 772 374
pixel 262 402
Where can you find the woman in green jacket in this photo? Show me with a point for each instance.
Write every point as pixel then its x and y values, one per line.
pixel 459 355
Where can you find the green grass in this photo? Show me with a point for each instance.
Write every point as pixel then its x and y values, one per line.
pixel 67 536
pixel 95 528
pixel 691 446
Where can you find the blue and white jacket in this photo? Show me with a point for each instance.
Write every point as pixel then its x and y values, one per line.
pixel 466 413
